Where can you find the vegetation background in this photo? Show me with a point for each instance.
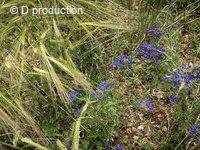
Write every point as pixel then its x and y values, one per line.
pixel 52 67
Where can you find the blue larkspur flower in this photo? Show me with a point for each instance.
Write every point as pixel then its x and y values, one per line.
pixel 69 144
pixel 153 53
pixel 104 86
pixel 180 75
pixel 107 144
pixel 139 50
pixel 150 31
pixel 183 67
pixel 158 49
pixel 172 99
pixel 156 24
pixel 147 53
pixel 189 66
pixel 62 28
pixel 149 104
pixel 125 57
pixel 78 110
pixel 117 63
pixel 121 61
pixel 72 96
pixel 165 78
pixel 146 45
pixel 176 79
pixel 156 53
pixel 193 130
pixel 119 147
pixel 198 138
pixel 187 78
pixel 158 34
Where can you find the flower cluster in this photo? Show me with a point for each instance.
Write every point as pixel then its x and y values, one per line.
pixel 121 61
pixel 148 102
pixel 193 131
pixel 146 50
pixel 181 76
pixel 154 31
pixel 73 95
pixel 153 53
pixel 172 99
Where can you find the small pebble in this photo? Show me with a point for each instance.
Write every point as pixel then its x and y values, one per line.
pixel 135 138
pixel 141 127
pixel 164 128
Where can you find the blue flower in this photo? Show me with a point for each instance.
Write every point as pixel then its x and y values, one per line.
pixel 117 63
pixel 150 31
pixel 172 99
pixel 72 96
pixel 156 24
pixel 119 147
pixel 187 78
pixel 176 79
pixel 198 138
pixel 180 75
pixel 177 84
pixel 121 60
pixel 153 53
pixel 146 45
pixel 78 110
pixel 165 78
pixel 158 34
pixel 107 144
pixel 149 104
pixel 124 58
pixel 63 28
pixel 193 129
pixel 104 86
pixel 159 49
pixel 69 144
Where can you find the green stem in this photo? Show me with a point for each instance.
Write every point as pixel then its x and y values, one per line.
pixel 75 143
pixel 180 142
